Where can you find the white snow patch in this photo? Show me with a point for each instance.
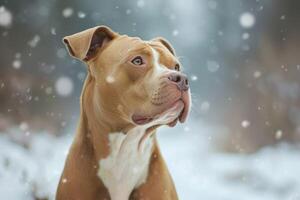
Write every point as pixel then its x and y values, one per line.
pixel 197 169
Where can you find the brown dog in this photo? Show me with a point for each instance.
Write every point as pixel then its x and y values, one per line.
pixel 132 87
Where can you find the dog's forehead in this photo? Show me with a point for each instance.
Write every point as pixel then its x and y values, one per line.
pixel 125 45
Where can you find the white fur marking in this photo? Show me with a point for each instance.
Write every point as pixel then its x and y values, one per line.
pixel 126 167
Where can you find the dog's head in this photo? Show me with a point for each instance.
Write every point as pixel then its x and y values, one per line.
pixel 138 82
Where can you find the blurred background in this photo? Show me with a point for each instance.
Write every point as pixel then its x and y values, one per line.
pixel 243 60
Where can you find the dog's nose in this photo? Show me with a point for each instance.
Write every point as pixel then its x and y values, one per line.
pixel 180 80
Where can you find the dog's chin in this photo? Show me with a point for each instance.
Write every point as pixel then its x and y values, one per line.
pixel 176 111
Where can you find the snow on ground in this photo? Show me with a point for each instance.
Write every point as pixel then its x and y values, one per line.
pixel 198 170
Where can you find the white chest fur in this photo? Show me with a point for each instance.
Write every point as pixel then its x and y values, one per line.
pixel 126 167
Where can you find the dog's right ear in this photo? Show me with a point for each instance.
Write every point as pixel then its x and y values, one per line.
pixel 84 45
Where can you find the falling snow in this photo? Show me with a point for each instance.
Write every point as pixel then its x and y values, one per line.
pixel 34 41
pixel 212 66
pixel 53 31
pixel 257 74
pixel 245 124
pixel 67 12
pixel 194 78
pixel 17 64
pixel 175 32
pixel 278 134
pixel 110 79
pixel 245 36
pixel 81 15
pixel 205 106
pixel 24 126
pixel 140 3
pixel 5 17
pixel 247 20
pixel 64 86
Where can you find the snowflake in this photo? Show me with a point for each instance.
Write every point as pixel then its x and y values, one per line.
pixel 140 3
pixel 247 20
pixel 17 64
pixel 128 12
pixel 175 33
pixel 257 74
pixel 64 180
pixel 5 17
pixel 24 126
pixel 278 134
pixel 110 79
pixel 205 106
pixel 67 12
pixel 81 15
pixel 245 36
pixel 245 124
pixel 64 86
pixel 34 41
pixel 194 78
pixel 53 31
pixel 212 66
pixel 61 53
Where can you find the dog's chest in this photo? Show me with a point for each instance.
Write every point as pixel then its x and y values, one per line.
pixel 126 167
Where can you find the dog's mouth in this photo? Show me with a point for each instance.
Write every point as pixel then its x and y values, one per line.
pixel 178 111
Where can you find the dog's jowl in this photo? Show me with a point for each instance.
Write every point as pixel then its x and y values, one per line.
pixel 132 87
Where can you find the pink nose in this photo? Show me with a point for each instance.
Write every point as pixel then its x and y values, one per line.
pixel 180 80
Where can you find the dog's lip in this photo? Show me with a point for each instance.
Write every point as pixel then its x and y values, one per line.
pixel 186 109
pixel 141 119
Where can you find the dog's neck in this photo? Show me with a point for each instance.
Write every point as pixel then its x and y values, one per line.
pixel 100 123
pixel 127 165
pixel 122 151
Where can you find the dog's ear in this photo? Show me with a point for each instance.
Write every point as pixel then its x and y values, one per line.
pixel 84 45
pixel 166 43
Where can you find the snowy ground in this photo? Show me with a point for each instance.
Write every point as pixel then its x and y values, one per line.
pixel 199 172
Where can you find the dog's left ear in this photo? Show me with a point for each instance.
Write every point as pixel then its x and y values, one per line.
pixel 84 45
pixel 166 43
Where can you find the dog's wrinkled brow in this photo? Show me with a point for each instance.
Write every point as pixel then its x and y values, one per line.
pixel 140 49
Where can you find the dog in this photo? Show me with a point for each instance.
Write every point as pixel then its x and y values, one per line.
pixel 132 87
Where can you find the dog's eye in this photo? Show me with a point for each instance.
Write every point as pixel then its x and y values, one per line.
pixel 177 67
pixel 137 60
